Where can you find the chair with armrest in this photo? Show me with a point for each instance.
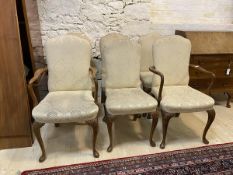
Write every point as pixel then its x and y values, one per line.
pixel 72 96
pixel 146 42
pixel 171 57
pixel 124 96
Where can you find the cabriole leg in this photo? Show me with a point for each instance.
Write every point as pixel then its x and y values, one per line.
pixel 165 120
pixel 211 117
pixel 36 129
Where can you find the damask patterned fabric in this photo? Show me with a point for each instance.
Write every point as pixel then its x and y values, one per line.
pixel 121 61
pixel 147 60
pixel 104 43
pixel 68 59
pixel 171 57
pixel 66 107
pixel 146 78
pixel 147 42
pixel 181 99
pixel 129 101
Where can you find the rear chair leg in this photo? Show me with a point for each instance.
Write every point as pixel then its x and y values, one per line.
pixel 154 124
pixel 94 125
pixel 36 129
pixel 211 117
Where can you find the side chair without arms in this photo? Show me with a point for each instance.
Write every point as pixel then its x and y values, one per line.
pixel 72 96
pixel 124 96
pixel 171 58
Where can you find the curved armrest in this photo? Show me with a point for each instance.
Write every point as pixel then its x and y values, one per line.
pixel 152 69
pixel 92 72
pixel 201 69
pixel 37 75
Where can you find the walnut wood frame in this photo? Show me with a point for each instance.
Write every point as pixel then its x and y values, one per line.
pixel 166 116
pixel 109 119
pixel 37 125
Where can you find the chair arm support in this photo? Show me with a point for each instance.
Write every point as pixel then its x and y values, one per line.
pixel 92 72
pixel 37 75
pixel 152 69
pixel 201 69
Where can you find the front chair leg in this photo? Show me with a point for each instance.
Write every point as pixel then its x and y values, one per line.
pixel 108 121
pixel 36 129
pixel 154 124
pixel 165 120
pixel 211 117
pixel 94 125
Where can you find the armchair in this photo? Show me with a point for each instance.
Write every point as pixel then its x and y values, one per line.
pixel 146 42
pixel 71 84
pixel 171 57
pixel 124 96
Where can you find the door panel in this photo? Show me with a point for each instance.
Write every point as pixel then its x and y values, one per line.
pixel 14 107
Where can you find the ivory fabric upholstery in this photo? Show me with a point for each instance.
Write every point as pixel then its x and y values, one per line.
pixel 129 101
pixel 121 58
pixel 68 59
pixel 146 78
pixel 182 99
pixel 105 42
pixel 121 61
pixel 171 57
pixel 70 97
pixel 66 107
pixel 146 43
pixel 80 35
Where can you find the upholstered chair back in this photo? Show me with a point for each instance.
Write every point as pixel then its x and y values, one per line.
pixel 68 59
pixel 108 40
pixel 146 42
pixel 121 61
pixel 171 57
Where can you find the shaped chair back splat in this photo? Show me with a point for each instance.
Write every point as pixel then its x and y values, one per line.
pixel 171 58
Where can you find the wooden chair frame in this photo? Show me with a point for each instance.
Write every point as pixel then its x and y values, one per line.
pixel 166 116
pixel 35 81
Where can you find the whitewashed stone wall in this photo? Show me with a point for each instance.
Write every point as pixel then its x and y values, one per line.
pixel 96 18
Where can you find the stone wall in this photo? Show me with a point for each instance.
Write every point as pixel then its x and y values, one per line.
pixel 96 18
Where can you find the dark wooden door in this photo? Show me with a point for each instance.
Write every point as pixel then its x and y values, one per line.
pixel 15 129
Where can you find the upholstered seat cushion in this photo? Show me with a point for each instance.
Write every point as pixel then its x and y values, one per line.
pixel 181 99
pixel 129 101
pixel 65 107
pixel 146 78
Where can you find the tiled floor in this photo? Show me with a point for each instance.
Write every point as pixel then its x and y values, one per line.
pixel 72 144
